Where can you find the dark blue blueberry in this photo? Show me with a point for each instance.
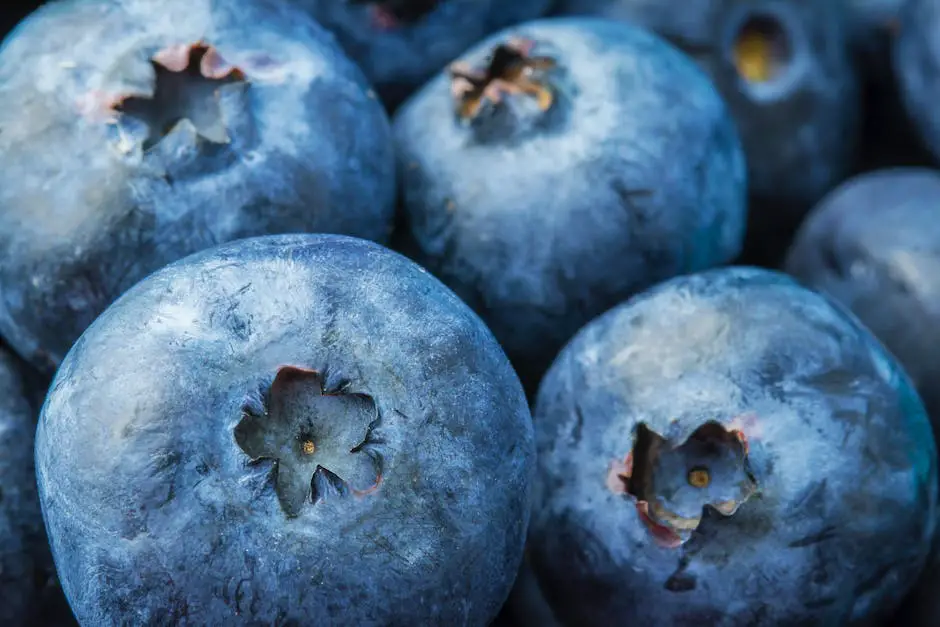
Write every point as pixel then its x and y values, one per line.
pixel 286 430
pixel 400 44
pixel 873 25
pixel 873 244
pixel 29 591
pixel 917 66
pixel 889 138
pixel 560 167
pixel 786 71
pixel 135 133
pixel 730 449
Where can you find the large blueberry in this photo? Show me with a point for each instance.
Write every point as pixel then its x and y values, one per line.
pixel 135 133
pixel 400 44
pixel 786 71
pixel 730 449
pixel 561 166
pixel 874 245
pixel 29 592
pixel 917 66
pixel 286 430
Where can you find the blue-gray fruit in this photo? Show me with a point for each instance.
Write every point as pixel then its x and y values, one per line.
pixel 730 449
pixel 134 133
pixel 29 591
pixel 873 244
pixel 561 166
pixel 916 56
pixel 286 430
pixel 785 69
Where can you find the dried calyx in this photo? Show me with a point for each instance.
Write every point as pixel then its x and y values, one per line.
pixel 511 71
pixel 672 484
pixel 392 13
pixel 186 87
pixel 321 441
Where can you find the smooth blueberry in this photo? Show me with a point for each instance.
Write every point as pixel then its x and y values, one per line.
pixel 29 591
pixel 295 429
pixel 730 448
pixel 134 133
pixel 400 44
pixel 873 244
pixel 786 71
pixel 561 166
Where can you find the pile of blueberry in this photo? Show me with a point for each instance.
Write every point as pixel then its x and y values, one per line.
pixel 528 313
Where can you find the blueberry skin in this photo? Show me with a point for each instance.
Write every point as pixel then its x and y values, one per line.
pixel 400 58
pixel 800 128
pixel 156 515
pixel 308 150
pixel 840 446
pixel 917 67
pixel 635 175
pixel 29 591
pixel 20 517
pixel 873 244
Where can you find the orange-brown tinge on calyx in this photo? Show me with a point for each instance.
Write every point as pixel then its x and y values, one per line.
pixel 511 70
pixel 210 63
pixel 634 476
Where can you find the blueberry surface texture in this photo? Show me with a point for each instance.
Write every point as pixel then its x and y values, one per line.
pixel 785 69
pixel 917 67
pixel 561 166
pixel 286 430
pixel 873 244
pixel 29 592
pixel 400 44
pixel 730 449
pixel 135 133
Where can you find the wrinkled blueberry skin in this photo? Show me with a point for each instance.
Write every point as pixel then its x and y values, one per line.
pixel 309 150
pixel 840 446
pixel 156 515
pixel 799 129
pixel 29 592
pixel 634 175
pixel 917 67
pixel 872 245
pixel 399 58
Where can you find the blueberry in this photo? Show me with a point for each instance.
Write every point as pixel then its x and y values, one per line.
pixel 295 429
pixel 873 244
pixel 889 138
pixel 133 134
pixel 561 166
pixel 730 449
pixel 873 25
pixel 29 592
pixel 786 71
pixel 917 67
pixel 400 44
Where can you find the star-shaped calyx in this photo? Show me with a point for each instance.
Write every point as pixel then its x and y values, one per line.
pixel 186 86
pixel 321 441
pixel 671 483
pixel 511 70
